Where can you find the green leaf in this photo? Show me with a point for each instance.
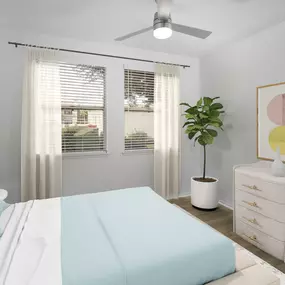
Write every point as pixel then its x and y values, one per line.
pixel 217 125
pixel 217 106
pixel 187 123
pixel 191 135
pixel 192 110
pixel 208 101
pixel 213 133
pixel 215 113
pixel 196 139
pixel 185 104
pixel 206 108
pixel 215 98
pixel 199 127
pixel 207 138
pixel 203 116
pixel 189 129
pixel 190 116
pixel 199 102
pixel 217 121
pixel 192 128
pixel 201 141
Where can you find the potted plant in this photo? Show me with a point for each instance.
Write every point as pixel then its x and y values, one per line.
pixel 202 120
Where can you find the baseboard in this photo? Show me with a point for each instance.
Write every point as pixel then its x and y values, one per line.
pixel 221 202
pixel 225 205
pixel 184 195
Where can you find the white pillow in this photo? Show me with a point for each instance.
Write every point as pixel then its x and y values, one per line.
pixel 3 194
pixel 5 218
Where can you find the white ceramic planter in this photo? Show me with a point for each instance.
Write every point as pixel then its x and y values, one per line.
pixel 204 195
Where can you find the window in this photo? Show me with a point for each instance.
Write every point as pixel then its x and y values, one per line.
pixel 139 101
pixel 82 117
pixel 82 108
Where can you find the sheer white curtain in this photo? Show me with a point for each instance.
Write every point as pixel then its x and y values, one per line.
pixel 167 131
pixel 41 156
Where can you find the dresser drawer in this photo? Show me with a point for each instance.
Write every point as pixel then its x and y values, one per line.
pixel 260 240
pixel 267 208
pixel 268 190
pixel 260 222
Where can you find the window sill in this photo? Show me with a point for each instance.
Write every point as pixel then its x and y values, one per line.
pixel 85 154
pixel 138 152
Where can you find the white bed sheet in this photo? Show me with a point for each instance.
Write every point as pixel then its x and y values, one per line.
pixel 40 242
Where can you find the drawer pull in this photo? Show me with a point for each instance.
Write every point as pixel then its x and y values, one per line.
pixel 254 187
pixel 253 221
pixel 253 238
pixel 252 204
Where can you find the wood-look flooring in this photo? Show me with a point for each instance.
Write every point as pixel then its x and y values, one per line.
pixel 222 220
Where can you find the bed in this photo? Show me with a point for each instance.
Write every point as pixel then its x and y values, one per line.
pixel 122 237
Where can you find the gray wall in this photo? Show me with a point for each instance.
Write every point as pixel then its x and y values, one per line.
pixel 233 74
pixel 82 174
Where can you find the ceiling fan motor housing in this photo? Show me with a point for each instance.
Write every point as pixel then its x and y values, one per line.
pixel 160 22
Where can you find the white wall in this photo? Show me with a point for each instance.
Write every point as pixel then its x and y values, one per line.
pixel 88 173
pixel 233 74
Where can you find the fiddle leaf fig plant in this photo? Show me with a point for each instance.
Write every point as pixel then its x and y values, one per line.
pixel 202 122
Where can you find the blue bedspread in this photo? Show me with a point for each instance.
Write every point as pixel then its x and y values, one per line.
pixel 134 237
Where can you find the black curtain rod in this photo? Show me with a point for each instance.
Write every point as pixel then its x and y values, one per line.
pixel 93 53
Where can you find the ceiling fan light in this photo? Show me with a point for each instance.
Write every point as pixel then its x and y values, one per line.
pixel 162 33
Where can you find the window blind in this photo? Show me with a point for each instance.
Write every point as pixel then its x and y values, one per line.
pixel 82 107
pixel 139 104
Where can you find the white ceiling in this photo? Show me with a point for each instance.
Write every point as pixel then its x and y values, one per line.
pixel 104 20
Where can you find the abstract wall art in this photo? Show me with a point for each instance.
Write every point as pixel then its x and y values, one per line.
pixel 270 121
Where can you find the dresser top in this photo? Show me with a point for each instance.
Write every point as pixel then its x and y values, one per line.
pixel 261 169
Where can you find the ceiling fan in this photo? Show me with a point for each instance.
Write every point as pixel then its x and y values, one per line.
pixel 163 26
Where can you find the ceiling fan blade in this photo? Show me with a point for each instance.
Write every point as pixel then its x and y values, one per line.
pixel 198 33
pixel 134 34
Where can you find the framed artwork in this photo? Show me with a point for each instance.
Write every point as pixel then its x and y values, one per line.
pixel 270 121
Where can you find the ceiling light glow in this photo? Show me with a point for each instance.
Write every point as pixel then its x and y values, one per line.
pixel 162 33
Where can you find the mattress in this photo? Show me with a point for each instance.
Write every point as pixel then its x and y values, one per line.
pixel 128 237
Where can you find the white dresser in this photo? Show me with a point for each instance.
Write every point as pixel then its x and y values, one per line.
pixel 259 207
